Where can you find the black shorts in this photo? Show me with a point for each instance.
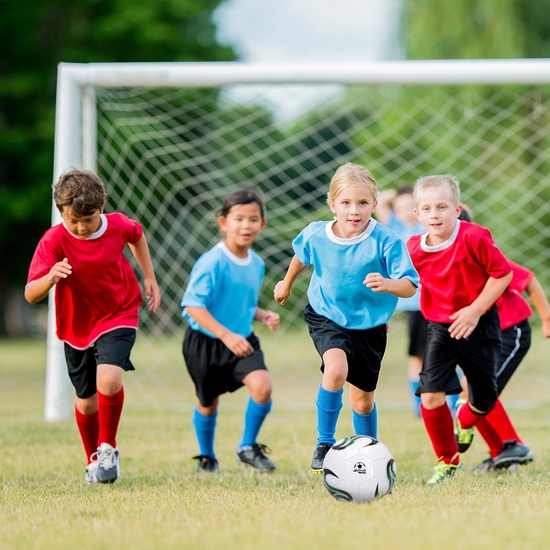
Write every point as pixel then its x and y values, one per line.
pixel 418 333
pixel 214 368
pixel 477 355
pixel 111 348
pixel 514 345
pixel 364 348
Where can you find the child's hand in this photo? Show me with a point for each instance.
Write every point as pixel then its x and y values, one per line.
pixel 546 328
pixel 61 270
pixel 281 292
pixel 465 321
pixel 271 320
pixel 376 282
pixel 152 294
pixel 237 344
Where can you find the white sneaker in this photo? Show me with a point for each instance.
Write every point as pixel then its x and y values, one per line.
pixel 91 472
pixel 108 463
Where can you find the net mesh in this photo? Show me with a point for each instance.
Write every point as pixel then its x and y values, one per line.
pixel 170 157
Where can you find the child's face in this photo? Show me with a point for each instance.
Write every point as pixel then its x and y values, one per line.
pixel 241 227
pixel 437 213
pixel 403 207
pixel 352 208
pixel 81 226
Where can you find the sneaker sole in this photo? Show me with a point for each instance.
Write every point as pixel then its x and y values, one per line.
pixel 507 462
pixel 317 471
pixel 259 470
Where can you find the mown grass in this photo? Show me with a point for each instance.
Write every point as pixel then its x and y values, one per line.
pixel 159 501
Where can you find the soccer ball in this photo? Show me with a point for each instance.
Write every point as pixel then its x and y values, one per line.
pixel 359 468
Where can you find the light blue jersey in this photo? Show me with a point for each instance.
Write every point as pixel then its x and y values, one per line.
pixel 405 232
pixel 336 288
pixel 227 286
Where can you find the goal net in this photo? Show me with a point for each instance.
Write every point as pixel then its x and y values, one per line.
pixel 172 140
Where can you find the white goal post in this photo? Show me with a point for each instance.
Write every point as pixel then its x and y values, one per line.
pixel 76 120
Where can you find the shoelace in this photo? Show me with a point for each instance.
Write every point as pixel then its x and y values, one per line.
pixel 262 449
pixel 107 458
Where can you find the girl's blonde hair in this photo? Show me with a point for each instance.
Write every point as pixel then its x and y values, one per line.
pixel 439 182
pixel 351 175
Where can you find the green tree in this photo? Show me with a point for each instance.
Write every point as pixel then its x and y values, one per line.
pixel 38 34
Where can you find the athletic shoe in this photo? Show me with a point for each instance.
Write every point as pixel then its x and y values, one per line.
pixel 254 456
pixel 318 457
pixel 443 471
pixel 484 467
pixel 464 437
pixel 207 464
pixel 108 463
pixel 512 453
pixel 91 472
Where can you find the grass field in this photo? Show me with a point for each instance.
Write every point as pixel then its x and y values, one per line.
pixel 159 502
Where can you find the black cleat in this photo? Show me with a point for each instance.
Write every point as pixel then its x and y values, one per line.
pixel 255 456
pixel 512 453
pixel 318 456
pixel 207 464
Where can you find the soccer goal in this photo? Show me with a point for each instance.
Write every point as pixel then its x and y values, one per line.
pixel 171 140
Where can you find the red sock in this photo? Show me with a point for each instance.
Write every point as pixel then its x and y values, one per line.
pixel 490 435
pixel 500 421
pixel 88 426
pixel 440 427
pixel 468 418
pixel 110 410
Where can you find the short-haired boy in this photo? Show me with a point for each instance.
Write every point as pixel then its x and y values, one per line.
pixel 462 273
pixel 96 302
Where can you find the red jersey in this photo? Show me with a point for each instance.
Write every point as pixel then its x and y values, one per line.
pixel 102 293
pixel 453 273
pixel 512 306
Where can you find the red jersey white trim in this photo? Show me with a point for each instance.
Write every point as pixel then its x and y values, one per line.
pixel 453 273
pixel 102 293
pixel 512 306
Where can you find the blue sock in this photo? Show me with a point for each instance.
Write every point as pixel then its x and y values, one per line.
pixel 366 424
pixel 328 404
pixel 413 386
pixel 253 419
pixel 205 429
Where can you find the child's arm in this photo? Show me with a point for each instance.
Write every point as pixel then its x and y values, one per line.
pixel 402 288
pixel 235 342
pixel 269 318
pixel 38 289
pixel 140 250
pixel 383 210
pixel 540 302
pixel 283 288
pixel 466 319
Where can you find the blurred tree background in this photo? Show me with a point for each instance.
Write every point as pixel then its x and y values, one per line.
pixel 38 34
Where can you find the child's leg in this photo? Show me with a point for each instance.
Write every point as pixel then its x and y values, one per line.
pixel 258 407
pixel 364 414
pixel 499 420
pixel 204 422
pixel 87 420
pixel 440 427
pixel 329 395
pixel 110 397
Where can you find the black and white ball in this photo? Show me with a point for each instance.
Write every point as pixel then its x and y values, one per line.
pixel 359 468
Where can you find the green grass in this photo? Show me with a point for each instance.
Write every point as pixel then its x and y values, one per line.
pixel 159 502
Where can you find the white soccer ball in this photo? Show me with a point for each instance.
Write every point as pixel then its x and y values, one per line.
pixel 359 468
